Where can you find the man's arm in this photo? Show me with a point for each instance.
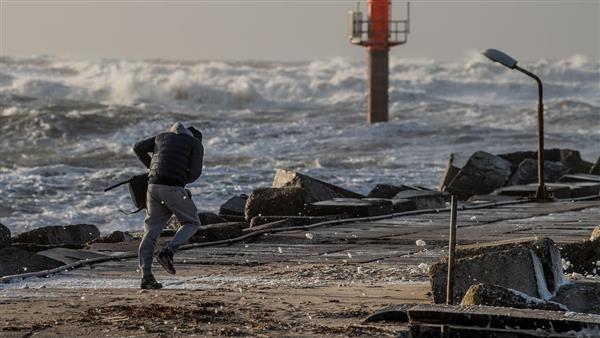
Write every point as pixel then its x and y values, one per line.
pixel 196 159
pixel 142 148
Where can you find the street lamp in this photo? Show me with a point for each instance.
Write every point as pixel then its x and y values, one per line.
pixel 506 60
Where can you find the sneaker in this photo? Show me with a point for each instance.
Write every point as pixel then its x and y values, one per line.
pixel 149 282
pixel 165 258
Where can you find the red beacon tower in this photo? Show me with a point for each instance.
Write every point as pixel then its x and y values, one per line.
pixel 378 33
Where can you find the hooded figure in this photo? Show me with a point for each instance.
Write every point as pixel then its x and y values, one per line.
pixel 176 161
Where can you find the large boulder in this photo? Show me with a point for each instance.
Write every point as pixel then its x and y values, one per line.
pixel 77 235
pixel 218 232
pixel 493 295
pixel 15 261
pixel 572 159
pixel 481 174
pixel 516 268
pixel 286 201
pixel 319 190
pixel 234 206
pixel 581 257
pixel 424 199
pixel 569 157
pixel 351 207
pixel 526 172
pixel 517 157
pixel 4 236
pixel 595 170
pixel 545 249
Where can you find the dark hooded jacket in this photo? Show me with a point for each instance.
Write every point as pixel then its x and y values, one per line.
pixel 176 156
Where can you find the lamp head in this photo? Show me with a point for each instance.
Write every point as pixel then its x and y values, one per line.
pixel 500 57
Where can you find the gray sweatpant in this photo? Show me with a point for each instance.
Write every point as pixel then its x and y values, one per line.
pixel 162 202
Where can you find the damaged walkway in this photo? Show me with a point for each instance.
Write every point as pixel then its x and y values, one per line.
pixel 321 281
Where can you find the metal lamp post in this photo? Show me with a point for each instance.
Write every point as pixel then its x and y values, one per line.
pixel 506 60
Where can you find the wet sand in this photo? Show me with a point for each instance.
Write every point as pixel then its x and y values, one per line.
pixel 329 304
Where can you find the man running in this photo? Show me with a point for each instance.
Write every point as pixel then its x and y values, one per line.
pixel 176 161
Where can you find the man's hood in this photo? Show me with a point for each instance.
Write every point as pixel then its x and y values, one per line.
pixel 178 128
pixel 197 133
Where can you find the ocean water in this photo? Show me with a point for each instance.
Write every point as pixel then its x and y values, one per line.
pixel 67 125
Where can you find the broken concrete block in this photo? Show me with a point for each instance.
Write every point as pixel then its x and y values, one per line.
pixel 395 313
pixel 595 234
pixel 425 199
pixel 389 191
pixel 572 159
pixel 455 163
pixel 4 236
pixel 234 206
pixel 580 178
pixel 545 249
pixel 580 296
pixel 16 261
pixel 579 189
pixel 68 256
pixel 517 268
pixel 351 207
pixel 398 204
pixel 526 172
pixel 70 235
pixel 595 170
pixel 218 232
pixel 556 191
pixel 286 201
pixel 481 174
pixel 319 190
pixel 581 257
pixel 493 295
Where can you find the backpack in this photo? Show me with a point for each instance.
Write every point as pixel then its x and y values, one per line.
pixel 138 187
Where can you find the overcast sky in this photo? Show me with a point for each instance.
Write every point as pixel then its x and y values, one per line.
pixel 292 30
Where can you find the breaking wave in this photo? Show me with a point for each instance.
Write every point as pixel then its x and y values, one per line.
pixel 68 124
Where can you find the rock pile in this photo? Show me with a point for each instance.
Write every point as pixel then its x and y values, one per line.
pixel 484 173
pixel 24 253
pixel 295 199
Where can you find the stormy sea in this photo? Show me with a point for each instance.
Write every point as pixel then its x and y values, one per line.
pixel 67 125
